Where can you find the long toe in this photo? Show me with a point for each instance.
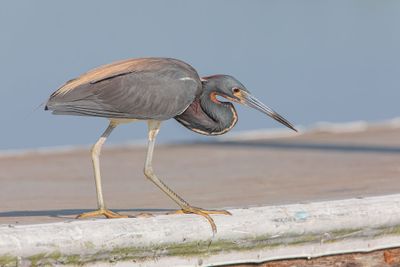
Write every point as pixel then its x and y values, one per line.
pixel 101 212
pixel 192 209
pixel 204 213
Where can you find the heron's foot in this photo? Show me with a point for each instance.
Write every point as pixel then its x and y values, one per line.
pixel 204 213
pixel 101 212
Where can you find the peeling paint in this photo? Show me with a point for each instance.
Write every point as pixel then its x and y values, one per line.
pixel 190 249
pixel 264 233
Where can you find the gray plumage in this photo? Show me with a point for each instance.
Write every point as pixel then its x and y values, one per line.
pixel 152 88
pixel 207 115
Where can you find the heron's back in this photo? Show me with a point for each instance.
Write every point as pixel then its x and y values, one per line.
pixel 147 88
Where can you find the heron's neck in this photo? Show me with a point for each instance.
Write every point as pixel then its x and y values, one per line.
pixel 222 114
pixel 208 116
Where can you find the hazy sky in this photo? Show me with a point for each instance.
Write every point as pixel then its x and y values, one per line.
pixel 310 60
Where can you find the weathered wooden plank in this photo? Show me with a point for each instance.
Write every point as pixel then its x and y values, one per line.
pixel 251 235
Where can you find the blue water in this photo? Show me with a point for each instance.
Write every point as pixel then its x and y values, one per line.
pixel 310 60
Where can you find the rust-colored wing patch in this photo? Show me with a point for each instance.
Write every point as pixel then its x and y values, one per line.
pixel 105 72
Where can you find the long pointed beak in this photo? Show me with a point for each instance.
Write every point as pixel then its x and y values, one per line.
pixel 249 100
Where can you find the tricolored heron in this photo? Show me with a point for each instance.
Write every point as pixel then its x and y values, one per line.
pixel 154 89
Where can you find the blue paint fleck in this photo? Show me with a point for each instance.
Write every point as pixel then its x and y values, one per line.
pixel 301 215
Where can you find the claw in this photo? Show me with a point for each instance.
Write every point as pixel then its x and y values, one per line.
pixel 101 212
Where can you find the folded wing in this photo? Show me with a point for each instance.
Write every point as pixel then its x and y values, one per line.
pixel 150 88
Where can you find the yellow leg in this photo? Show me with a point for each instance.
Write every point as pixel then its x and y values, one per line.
pixel 154 127
pixel 96 150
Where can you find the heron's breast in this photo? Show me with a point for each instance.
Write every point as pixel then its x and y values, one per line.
pixel 197 120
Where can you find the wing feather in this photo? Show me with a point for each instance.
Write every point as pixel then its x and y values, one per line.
pixel 154 88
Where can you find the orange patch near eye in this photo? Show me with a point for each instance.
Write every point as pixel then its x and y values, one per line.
pixel 239 95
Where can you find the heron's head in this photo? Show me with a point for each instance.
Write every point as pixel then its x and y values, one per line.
pixel 228 87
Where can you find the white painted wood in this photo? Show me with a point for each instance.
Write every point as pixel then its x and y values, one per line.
pixel 250 235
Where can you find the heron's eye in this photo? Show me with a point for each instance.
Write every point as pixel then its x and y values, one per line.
pixel 235 90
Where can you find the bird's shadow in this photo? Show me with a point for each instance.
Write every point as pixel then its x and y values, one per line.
pixel 68 213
